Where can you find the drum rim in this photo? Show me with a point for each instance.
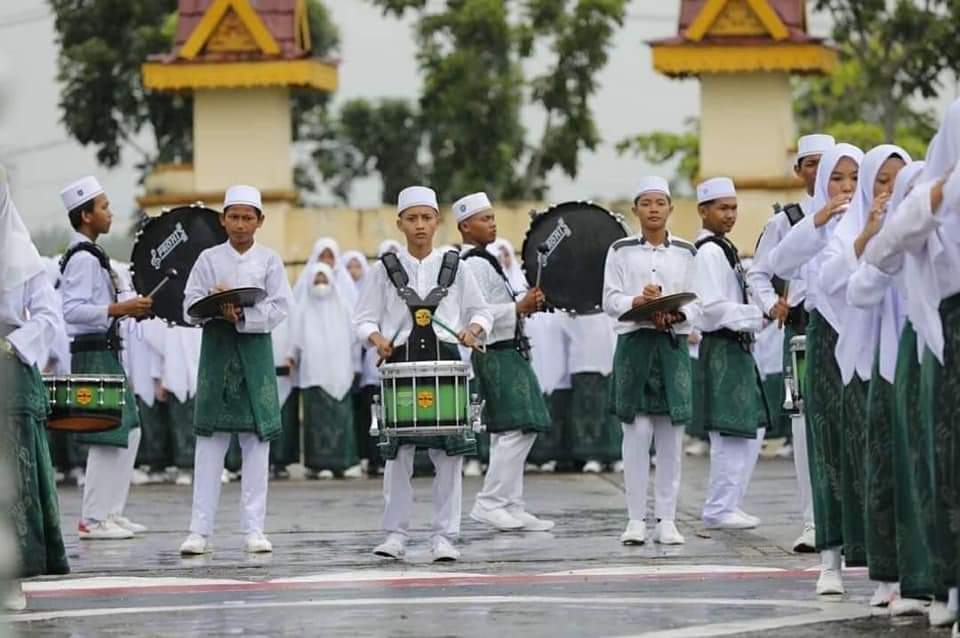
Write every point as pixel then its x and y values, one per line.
pixel 797 340
pixel 82 379
pixel 536 214
pixel 390 370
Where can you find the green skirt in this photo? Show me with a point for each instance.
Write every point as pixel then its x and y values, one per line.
pixel 595 433
pixel 727 396
pixel 35 511
pixel 854 471
pixel 554 445
pixel 912 475
pixel 507 383
pixel 106 362
pixel 328 437
pixel 774 394
pixel 880 483
pixel 183 440
pixel 155 448
pixel 285 449
pixel 237 384
pixel 940 408
pixel 652 375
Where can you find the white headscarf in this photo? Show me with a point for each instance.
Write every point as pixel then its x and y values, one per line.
pixel 322 336
pixel 828 162
pixel 345 260
pixel 859 327
pixel 19 259
pixel 513 271
pixel 319 246
pixel 388 246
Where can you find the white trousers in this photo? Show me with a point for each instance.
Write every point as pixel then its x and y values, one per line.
pixel 208 468
pixel 108 474
pixel 801 462
pixel 503 485
pixel 447 492
pixel 636 465
pixel 732 461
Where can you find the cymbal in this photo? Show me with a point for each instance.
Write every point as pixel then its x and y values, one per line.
pixel 667 303
pixel 209 306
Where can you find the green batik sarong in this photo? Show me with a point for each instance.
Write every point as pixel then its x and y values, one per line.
pixel 853 471
pixel 913 475
pixel 233 462
pixel 67 453
pixel 154 449
pixel 880 482
pixel 106 362
pixel 940 407
pixel 285 450
pixel 824 414
pixel 35 511
pixel 506 381
pixel 727 396
pixel 237 384
pixel 652 375
pixel 554 444
pixel 774 393
pixel 328 437
pixel 595 433
pixel 697 419
pixel 183 440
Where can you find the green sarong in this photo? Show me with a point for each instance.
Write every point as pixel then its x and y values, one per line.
pixel 652 374
pixel 285 449
pixel 237 384
pixel 67 453
pixel 328 437
pixel 154 450
pixel 554 444
pixel 106 362
pixel 697 419
pixel 507 383
pixel 774 393
pixel 853 471
pixel 880 482
pixel 35 511
pixel 366 444
pixel 727 396
pixel 183 440
pixel 595 433
pixel 913 475
pixel 940 407
pixel 233 462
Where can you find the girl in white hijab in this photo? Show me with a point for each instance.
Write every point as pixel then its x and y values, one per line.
pixel 327 250
pixel 321 341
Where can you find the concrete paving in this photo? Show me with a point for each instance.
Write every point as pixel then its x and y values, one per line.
pixel 575 581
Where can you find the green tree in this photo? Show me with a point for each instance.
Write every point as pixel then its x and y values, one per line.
pixel 660 147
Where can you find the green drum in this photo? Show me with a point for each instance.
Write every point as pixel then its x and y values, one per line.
pixel 425 398
pixel 796 377
pixel 85 402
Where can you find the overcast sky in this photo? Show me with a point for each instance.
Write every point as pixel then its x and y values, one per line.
pixel 378 61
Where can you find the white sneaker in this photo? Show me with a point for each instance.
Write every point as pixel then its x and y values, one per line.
pixel 618 467
pixel 78 476
pixel 184 478
pixel 750 517
pixel 667 533
pixel 226 476
pixel 257 543
pixel 956 631
pixel 531 523
pixel 472 468
pixel 156 477
pixel 784 452
pixel 326 475
pixel 353 472
pixel 443 550
pixel 830 583
pixel 15 600
pixel 884 594
pixel 139 477
pixel 59 476
pixel 909 607
pixel 102 531
pixel 731 521
pixel 499 519
pixel 549 466
pixel 635 534
pixel 531 468
pixel 940 614
pixel 592 467
pixel 393 547
pixel 126 523
pixel 806 543
pixel 195 545
pixel 697 448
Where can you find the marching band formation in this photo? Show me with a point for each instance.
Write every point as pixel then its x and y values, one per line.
pixel 842 331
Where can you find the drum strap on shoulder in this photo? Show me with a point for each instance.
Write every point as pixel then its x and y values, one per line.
pixel 401 280
pixel 794 215
pixel 733 258
pixel 99 254
pixel 522 343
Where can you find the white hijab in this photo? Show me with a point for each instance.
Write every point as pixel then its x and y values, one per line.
pixel 512 270
pixel 321 336
pixel 388 246
pixel 345 259
pixel 19 260
pixel 859 327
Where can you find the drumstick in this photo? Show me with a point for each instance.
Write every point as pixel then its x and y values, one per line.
pixel 169 275
pixel 395 335
pixel 444 326
pixel 542 251
pixel 786 291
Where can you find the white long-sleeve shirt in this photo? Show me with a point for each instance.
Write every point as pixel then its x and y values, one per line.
pixel 258 267
pixel 721 296
pixel 762 270
pixel 498 296
pixel 591 343
pixel 33 309
pixel 797 257
pixel 633 262
pixel 87 291
pixel 380 308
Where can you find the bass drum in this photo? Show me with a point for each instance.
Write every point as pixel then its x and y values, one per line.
pixel 175 240
pixel 571 240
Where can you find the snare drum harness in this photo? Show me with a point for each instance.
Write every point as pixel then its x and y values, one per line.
pixel 110 340
pixel 520 341
pixel 423 343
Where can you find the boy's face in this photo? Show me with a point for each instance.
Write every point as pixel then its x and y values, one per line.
pixel 720 215
pixel 241 223
pixel 653 210
pixel 482 227
pixel 806 170
pixel 100 218
pixel 418 224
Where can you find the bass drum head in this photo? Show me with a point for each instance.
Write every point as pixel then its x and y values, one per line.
pixel 175 239
pixel 574 237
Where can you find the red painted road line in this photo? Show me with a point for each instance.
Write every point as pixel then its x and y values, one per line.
pixel 405 583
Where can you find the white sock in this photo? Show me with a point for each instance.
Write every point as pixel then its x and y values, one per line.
pixel 830 559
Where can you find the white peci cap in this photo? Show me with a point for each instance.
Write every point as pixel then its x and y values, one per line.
pixel 816 144
pixel 651 184
pixel 417 196
pixel 715 188
pixel 80 192
pixel 469 205
pixel 240 194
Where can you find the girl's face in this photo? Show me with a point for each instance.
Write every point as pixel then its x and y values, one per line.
pixel 328 257
pixel 887 175
pixel 319 279
pixel 843 178
pixel 355 268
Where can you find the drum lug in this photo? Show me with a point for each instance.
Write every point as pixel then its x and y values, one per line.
pixel 375 416
pixel 476 414
pixel 788 393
